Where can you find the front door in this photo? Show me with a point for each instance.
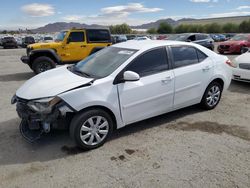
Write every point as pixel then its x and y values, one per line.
pixel 153 94
pixel 75 48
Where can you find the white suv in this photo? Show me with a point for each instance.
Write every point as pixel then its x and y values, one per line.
pixel 120 85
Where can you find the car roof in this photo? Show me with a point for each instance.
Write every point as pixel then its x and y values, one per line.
pixel 149 44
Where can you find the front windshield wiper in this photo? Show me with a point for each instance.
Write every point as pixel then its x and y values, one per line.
pixel 75 70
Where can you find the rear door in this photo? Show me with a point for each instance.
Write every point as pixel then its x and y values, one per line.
pixel 192 70
pixel 153 93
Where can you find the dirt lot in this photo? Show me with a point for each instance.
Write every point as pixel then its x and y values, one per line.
pixel 187 148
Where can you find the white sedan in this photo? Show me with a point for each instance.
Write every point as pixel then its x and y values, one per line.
pixel 241 72
pixel 119 85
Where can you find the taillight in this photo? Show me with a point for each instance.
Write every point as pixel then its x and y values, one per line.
pixel 230 63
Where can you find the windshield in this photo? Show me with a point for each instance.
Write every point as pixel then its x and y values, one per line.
pixel 178 37
pixel 103 63
pixel 61 36
pixel 239 37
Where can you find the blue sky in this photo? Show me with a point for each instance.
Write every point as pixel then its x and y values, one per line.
pixel 31 14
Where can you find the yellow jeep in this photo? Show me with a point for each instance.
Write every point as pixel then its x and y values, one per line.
pixel 69 47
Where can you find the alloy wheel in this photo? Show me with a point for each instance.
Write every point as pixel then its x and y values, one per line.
pixel 94 130
pixel 213 96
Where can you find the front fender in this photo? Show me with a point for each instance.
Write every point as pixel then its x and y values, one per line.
pixel 52 52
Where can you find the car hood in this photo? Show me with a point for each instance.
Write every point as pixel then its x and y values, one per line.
pixel 45 45
pixel 51 83
pixel 244 58
pixel 231 43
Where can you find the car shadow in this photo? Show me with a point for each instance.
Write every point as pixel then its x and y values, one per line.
pixel 15 150
pixel 16 76
pixel 239 87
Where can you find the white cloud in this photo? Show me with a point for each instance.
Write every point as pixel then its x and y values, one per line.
pixel 114 15
pixel 243 7
pixel 129 8
pixel 200 1
pixel 204 1
pixel 73 18
pixel 38 10
pixel 229 14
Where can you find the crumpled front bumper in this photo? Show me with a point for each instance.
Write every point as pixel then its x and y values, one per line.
pixel 34 124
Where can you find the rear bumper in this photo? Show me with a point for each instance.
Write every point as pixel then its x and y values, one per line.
pixel 241 75
pixel 25 59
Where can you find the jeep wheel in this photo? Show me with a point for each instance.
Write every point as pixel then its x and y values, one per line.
pixel 42 64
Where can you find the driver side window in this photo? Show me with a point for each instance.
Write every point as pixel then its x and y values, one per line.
pixel 76 37
pixel 151 62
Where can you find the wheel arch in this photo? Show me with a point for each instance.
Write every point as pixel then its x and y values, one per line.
pixel 219 80
pixel 46 52
pixel 104 108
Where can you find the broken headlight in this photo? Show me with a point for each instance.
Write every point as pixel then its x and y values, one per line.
pixel 44 105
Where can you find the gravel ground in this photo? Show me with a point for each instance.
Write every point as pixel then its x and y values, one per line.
pixel 186 148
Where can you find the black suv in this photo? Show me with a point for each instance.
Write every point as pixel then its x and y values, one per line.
pixel 27 41
pixel 198 38
pixel 9 42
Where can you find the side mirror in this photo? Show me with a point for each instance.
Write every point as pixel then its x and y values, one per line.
pixel 188 40
pixel 130 76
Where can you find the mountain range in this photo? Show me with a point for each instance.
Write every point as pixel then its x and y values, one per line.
pixel 58 26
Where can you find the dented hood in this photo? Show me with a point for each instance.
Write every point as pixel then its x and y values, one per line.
pixel 51 83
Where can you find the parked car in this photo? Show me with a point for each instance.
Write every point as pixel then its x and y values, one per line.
pixel 19 41
pixel 229 35
pixel 142 38
pixel 198 38
pixel 241 72
pixel 235 44
pixel 119 85
pixel 119 38
pixel 9 42
pixel 70 46
pixel 130 37
pixel 218 37
pixel 27 41
pixel 46 39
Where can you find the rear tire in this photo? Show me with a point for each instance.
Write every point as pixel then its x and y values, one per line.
pixel 42 64
pixel 212 96
pixel 90 129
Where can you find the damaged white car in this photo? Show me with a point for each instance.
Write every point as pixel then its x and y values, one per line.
pixel 120 85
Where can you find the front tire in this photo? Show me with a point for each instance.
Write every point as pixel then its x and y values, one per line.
pixel 212 96
pixel 42 64
pixel 90 129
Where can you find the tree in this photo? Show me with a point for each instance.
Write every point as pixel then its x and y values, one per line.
pixel 164 28
pixel 120 29
pixel 152 31
pixel 230 28
pixel 213 28
pixel 244 27
pixel 181 28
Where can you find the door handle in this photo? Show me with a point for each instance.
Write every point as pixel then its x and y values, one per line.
pixel 83 46
pixel 206 68
pixel 167 79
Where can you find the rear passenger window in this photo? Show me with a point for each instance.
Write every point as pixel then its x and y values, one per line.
pixel 98 35
pixel 184 55
pixel 187 55
pixel 201 56
pixel 151 62
pixel 76 37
